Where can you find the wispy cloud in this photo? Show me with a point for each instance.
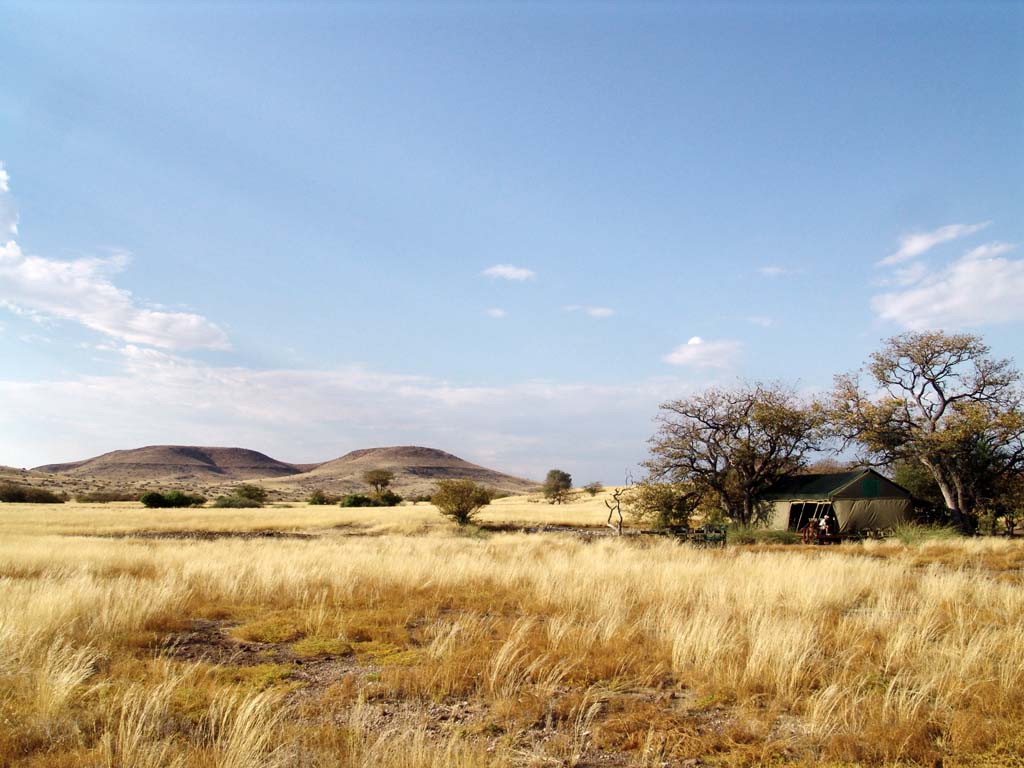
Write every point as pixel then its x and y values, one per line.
pixel 773 271
pixel 979 288
pixel 762 320
pixel 918 243
pixel 590 311
pixel 510 272
pixel 150 396
pixel 698 353
pixel 82 291
pixel 495 312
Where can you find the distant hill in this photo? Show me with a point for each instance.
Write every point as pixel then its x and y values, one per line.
pixel 416 470
pixel 216 469
pixel 175 463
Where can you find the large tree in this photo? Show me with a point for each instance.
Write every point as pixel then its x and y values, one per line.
pixel 943 401
pixel 734 442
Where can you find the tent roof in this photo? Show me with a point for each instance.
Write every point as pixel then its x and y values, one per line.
pixel 820 486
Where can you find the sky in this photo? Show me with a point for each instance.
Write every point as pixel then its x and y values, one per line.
pixel 508 231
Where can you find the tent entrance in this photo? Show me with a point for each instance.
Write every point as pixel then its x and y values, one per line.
pixel 801 513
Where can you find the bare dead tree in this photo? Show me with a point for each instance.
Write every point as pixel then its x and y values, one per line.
pixel 615 506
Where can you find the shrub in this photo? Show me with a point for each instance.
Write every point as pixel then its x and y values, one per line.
pixel 179 499
pixel 250 492
pixel 153 500
pixel 235 502
pixel 387 498
pixel 461 500
pixel 593 488
pixel 27 494
pixel 171 499
pixel 661 504
pixel 319 497
pixel 356 500
pixel 105 497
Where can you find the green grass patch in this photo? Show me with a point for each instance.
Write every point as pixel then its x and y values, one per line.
pixel 260 676
pixel 311 647
pixel 914 533
pixel 386 654
pixel 275 628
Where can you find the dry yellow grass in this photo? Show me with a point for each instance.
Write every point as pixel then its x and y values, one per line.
pixel 127 517
pixel 497 649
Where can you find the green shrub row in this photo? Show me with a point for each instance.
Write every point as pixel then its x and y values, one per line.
pixel 383 499
pixel 171 499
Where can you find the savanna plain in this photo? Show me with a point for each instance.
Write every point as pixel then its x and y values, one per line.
pixel 322 636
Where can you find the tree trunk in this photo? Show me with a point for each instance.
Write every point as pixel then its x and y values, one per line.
pixel 952 496
pixel 748 510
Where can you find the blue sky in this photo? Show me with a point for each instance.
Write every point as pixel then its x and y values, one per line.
pixel 278 225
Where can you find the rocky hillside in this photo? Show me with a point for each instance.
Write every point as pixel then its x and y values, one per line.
pixel 185 463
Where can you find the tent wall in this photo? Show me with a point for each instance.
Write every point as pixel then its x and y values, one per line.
pixel 857 514
pixel 780 516
pixel 851 514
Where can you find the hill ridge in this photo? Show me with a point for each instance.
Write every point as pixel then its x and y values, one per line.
pixel 417 468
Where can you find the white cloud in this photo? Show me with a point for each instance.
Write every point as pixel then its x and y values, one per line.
pixel 908 275
pixel 772 271
pixel 918 243
pixel 591 311
pixel 8 210
pixel 762 320
pixel 81 290
pixel 979 288
pixel 698 353
pixel 154 397
pixel 509 272
pixel 495 312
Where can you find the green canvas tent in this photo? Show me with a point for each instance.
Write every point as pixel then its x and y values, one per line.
pixel 858 500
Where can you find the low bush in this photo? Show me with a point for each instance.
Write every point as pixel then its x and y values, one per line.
pixel 356 500
pixel 387 498
pixel 105 497
pixel 250 492
pixel 171 499
pixel 660 505
pixel 27 494
pixel 235 502
pixel 319 497
pixel 461 500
